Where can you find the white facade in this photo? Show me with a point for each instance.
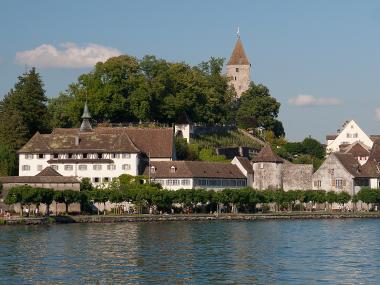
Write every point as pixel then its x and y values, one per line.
pixel 350 133
pixel 99 170
pixel 239 76
pixel 185 130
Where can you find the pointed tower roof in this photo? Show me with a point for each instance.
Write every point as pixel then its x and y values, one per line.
pixel 238 56
pixel 86 112
pixel 266 154
pixel 86 125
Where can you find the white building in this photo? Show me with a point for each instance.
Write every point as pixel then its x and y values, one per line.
pixel 174 175
pixel 348 134
pixel 101 154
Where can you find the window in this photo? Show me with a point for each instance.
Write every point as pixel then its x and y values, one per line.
pixel 25 167
pixel 348 135
pixel 96 179
pixel 317 183
pixel 41 155
pixel 235 77
pixel 173 182
pixel 173 169
pixel 106 179
pixel 28 156
pixel 355 135
pixel 126 155
pixel 70 155
pixel 115 155
pixel 111 167
pixel 153 169
pixel 97 167
pixel 68 167
pixel 39 167
pixel 82 167
pixel 185 182
pixel 55 155
pixel 331 171
pixel 237 69
pixel 339 183
pixel 54 166
pixel 261 165
pixel 85 155
pixel 126 167
pixel 100 155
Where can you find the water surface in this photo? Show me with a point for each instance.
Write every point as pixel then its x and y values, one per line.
pixel 217 252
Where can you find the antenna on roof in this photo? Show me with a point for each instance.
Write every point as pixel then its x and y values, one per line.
pixel 238 32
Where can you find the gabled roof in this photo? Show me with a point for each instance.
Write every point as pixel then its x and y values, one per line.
pixel 374 155
pixel 238 56
pixel 357 149
pixel 350 163
pixel 193 169
pixel 266 154
pixel 158 142
pixel 331 137
pixel 48 171
pixel 245 163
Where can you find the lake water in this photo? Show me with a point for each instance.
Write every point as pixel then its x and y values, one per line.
pixel 253 252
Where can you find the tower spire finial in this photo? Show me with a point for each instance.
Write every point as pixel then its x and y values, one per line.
pixel 238 32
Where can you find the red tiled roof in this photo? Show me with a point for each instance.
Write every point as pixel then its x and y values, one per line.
pixel 238 56
pixel 245 163
pixel 194 169
pixel 158 142
pixel 266 154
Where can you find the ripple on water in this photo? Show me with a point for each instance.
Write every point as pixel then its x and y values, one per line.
pixel 261 252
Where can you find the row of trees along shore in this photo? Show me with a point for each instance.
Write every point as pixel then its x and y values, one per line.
pixel 151 196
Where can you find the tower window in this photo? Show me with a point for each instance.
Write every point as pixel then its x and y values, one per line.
pixel 237 69
pixel 235 77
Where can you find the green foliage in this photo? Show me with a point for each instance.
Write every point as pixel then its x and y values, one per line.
pixel 207 154
pixel 23 112
pixel 232 138
pixel 125 89
pixel 369 196
pixel 258 108
pixel 86 185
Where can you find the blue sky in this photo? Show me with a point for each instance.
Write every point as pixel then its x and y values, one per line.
pixel 320 59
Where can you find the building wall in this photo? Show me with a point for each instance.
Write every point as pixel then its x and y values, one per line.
pixel 249 176
pixel 267 175
pixel 102 171
pixel 297 176
pixel 185 129
pixel 351 133
pixel 239 79
pixel 331 170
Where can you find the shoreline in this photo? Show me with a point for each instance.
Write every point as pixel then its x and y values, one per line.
pixel 80 219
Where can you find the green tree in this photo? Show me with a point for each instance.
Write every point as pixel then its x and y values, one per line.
pixel 47 197
pixel 259 109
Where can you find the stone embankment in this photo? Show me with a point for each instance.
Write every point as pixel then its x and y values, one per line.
pixel 190 217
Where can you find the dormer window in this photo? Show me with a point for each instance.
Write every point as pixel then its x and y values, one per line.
pixel 153 169
pixel 70 155
pixel 100 155
pixel 41 155
pixel 55 155
pixel 173 169
pixel 85 155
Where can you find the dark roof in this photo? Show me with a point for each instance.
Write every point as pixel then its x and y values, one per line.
pixel 48 171
pixel 374 137
pixel 245 163
pixel 183 119
pixel 238 56
pixel 357 149
pixel 374 154
pixel 331 137
pixel 194 169
pixel 266 154
pixel 350 163
pixel 156 141
pixel 38 179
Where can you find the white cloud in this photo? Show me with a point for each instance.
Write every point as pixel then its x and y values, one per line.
pixel 69 56
pixel 377 114
pixel 308 100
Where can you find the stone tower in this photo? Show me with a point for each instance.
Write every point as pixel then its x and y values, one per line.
pixel 86 125
pixel 238 68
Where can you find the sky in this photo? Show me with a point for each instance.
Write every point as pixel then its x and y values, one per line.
pixel 320 59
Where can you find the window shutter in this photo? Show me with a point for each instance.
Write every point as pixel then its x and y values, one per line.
pixel 333 182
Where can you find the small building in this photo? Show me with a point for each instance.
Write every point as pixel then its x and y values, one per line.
pixel 47 178
pixel 273 172
pixel 174 175
pixel 349 133
pixel 359 150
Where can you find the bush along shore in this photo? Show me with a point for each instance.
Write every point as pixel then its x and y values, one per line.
pixel 198 204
